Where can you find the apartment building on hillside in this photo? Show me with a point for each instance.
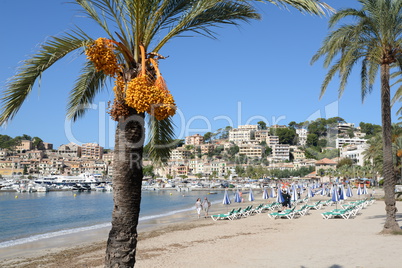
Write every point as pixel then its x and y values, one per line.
pixel 251 150
pixel 242 134
pixel 69 150
pixel 91 150
pixel 280 152
pixel 340 142
pixel 196 139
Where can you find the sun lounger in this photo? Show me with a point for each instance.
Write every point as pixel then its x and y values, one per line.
pixel 343 213
pixel 317 205
pixel 302 211
pixel 305 200
pixel 223 216
pixel 271 206
pixel 258 209
pixel 289 214
pixel 236 214
pixel 328 203
pixel 246 212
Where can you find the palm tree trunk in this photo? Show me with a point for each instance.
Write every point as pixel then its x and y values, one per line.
pixel 388 170
pixel 127 180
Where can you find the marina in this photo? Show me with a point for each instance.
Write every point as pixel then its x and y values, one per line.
pixel 83 182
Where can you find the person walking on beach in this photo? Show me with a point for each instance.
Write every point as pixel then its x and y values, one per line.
pixel 198 206
pixel 205 206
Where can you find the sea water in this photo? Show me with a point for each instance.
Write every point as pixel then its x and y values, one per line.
pixel 27 217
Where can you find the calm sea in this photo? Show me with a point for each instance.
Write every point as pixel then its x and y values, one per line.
pixel 27 217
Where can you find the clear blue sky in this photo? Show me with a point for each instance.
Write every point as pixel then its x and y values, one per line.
pixel 258 71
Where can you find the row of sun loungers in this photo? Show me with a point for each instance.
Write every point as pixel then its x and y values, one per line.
pixel 249 210
pixel 348 210
pixel 238 213
pixel 291 213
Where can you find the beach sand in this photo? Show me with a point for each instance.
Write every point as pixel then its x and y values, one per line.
pixel 255 241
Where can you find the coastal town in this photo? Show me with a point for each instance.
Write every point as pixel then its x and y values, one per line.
pixel 124 144
pixel 248 151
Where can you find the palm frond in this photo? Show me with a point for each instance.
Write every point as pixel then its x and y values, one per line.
pixel 202 15
pixel 315 7
pixel 91 7
pixel 89 83
pixel 20 85
pixel 161 139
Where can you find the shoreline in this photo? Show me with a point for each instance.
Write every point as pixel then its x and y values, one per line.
pixel 253 241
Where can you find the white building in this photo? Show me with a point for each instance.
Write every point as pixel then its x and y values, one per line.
pixel 196 139
pixel 272 141
pixel 261 135
pixel 280 152
pixel 179 153
pixel 251 150
pixel 344 127
pixel 242 134
pixel 302 136
pixel 69 150
pixel 354 152
pixel 340 142
pixel 196 166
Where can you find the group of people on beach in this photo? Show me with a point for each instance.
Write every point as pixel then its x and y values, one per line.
pixel 204 205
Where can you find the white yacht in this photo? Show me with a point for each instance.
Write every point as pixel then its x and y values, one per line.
pixel 82 178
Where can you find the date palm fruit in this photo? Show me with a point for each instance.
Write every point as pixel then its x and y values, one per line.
pixel 101 53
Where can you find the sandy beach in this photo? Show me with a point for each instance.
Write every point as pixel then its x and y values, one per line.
pixel 255 241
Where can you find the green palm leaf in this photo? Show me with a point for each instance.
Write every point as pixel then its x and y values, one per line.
pixel 316 7
pixel 161 139
pixel 20 85
pixel 89 83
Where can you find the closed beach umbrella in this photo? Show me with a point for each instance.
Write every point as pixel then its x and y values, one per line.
pixel 237 198
pixel 294 194
pixel 250 196
pixel 301 187
pixel 344 192
pixel 265 194
pixel 359 190
pixel 335 195
pixel 323 190
pixel 341 193
pixel 349 192
pixel 279 197
pixel 364 191
pixel 273 195
pixel 226 199
pixel 310 193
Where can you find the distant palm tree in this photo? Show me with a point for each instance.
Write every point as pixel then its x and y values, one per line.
pixel 374 40
pixel 135 32
pixel 373 153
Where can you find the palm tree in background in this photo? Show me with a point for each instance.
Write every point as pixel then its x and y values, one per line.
pixel 374 41
pixel 134 33
pixel 374 152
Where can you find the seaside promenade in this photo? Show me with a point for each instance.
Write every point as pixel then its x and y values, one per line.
pixel 255 241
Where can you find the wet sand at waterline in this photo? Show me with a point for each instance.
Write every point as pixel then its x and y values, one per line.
pixel 255 241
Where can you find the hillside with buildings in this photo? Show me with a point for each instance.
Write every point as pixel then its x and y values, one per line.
pixel 248 150
pixel 278 151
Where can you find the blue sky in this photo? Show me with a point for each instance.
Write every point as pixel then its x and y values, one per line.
pixel 258 71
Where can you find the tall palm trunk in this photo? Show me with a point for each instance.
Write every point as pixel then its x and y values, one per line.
pixel 388 170
pixel 127 180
